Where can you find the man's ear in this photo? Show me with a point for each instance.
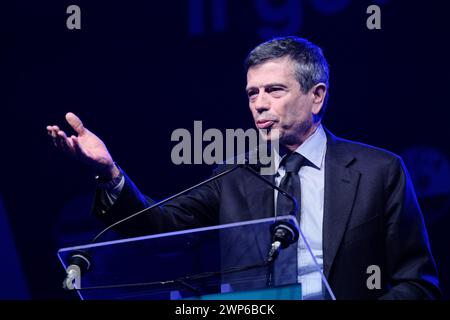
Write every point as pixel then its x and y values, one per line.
pixel 318 92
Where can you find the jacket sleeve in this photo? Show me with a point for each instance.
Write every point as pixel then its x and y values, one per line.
pixel 411 267
pixel 198 208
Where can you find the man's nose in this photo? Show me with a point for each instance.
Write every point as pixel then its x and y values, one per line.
pixel 262 102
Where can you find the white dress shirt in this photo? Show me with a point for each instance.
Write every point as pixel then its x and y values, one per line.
pixel 312 182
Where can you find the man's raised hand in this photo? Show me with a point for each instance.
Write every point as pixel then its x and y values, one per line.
pixel 85 146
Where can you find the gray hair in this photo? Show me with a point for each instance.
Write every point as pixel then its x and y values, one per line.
pixel 310 65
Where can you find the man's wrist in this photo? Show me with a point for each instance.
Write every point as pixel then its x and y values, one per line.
pixel 115 172
pixel 111 178
pixel 109 173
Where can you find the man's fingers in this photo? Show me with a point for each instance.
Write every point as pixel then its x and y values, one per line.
pixel 71 143
pixel 76 145
pixel 58 142
pixel 63 141
pixel 52 131
pixel 54 142
pixel 75 123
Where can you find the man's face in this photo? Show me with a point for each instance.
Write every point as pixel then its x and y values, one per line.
pixel 277 103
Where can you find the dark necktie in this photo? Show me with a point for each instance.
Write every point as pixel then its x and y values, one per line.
pixel 290 183
pixel 285 268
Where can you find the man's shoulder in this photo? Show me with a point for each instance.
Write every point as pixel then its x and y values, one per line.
pixel 362 152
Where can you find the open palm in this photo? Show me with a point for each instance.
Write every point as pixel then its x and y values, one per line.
pixel 85 146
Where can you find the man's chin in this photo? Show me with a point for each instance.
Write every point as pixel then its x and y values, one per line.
pixel 270 135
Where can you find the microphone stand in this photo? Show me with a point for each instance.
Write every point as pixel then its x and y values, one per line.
pixel 80 261
pixel 283 233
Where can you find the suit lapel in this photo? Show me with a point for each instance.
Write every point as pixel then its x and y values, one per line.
pixel 341 184
pixel 260 201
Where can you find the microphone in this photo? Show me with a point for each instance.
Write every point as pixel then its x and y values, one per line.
pixel 160 203
pixel 79 262
pixel 284 233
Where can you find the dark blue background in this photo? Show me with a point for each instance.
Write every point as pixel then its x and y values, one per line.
pixel 137 70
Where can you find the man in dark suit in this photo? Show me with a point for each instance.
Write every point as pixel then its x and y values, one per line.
pixel 357 205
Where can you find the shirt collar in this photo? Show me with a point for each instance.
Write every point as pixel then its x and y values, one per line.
pixel 313 149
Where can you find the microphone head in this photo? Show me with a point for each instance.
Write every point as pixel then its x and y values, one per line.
pixel 285 232
pixel 82 259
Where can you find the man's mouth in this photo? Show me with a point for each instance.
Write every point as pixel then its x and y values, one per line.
pixel 264 124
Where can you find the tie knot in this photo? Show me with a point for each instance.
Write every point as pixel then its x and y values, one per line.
pixel 293 162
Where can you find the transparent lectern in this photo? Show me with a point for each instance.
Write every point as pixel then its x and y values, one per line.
pixel 224 262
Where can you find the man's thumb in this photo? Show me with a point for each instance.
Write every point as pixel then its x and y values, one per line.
pixel 75 122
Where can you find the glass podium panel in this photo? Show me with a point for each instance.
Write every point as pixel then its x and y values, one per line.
pixel 220 262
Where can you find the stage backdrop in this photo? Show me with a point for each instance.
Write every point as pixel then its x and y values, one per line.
pixel 135 71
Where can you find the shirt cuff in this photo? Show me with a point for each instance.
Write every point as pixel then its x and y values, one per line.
pixel 110 190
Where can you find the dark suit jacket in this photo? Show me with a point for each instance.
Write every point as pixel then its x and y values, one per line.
pixel 371 217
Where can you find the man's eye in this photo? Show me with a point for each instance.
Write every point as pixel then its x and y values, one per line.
pixel 276 91
pixel 252 93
